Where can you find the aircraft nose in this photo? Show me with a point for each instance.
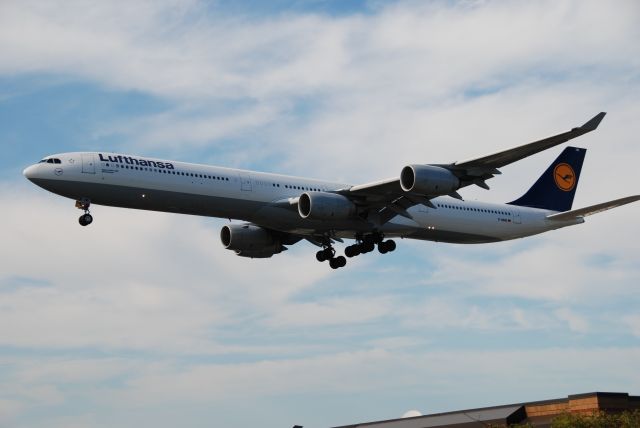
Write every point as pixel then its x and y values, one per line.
pixel 30 171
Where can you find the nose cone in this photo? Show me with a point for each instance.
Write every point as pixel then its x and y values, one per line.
pixel 30 172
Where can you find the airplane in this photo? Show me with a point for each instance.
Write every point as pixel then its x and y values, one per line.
pixel 278 210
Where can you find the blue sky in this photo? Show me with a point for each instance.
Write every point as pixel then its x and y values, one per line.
pixel 144 318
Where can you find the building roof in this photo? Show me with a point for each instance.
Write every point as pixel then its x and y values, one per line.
pixel 539 413
pixel 463 418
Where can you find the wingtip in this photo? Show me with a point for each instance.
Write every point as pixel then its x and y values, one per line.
pixel 593 123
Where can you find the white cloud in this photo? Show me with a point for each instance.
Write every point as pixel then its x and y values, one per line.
pixel 133 280
pixel 385 89
pixel 439 375
pixel 9 409
pixel 576 322
pixel 633 321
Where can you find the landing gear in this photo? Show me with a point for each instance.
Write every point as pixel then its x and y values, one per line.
pixel 337 262
pixel 386 246
pixel 364 244
pixel 329 253
pixel 85 219
pixel 326 254
pixel 367 243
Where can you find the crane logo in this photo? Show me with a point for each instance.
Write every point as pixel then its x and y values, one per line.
pixel 564 176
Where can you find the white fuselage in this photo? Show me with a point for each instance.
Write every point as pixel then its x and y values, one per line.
pixel 269 200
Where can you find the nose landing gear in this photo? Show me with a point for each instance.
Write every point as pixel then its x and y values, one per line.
pixel 86 218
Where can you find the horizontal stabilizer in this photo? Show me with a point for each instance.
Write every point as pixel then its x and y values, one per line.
pixel 593 209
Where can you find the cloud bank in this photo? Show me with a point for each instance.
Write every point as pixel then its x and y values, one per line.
pixel 144 317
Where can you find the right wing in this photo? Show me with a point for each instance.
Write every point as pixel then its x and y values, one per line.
pixel 506 157
pixel 388 199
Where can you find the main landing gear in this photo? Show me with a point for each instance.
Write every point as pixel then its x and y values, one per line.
pixel 329 253
pixel 85 219
pixel 366 244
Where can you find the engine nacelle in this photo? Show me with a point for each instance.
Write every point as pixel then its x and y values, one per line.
pixel 428 180
pixel 248 240
pixel 325 206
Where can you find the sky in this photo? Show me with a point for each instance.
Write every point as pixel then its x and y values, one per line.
pixel 144 319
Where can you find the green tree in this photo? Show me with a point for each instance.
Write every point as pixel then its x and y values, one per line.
pixel 625 419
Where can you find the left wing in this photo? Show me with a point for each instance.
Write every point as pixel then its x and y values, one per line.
pixel 394 196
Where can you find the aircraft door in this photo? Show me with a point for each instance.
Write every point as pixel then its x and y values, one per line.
pixel 245 182
pixel 516 216
pixel 88 163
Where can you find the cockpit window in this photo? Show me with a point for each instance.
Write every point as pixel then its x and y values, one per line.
pixel 50 160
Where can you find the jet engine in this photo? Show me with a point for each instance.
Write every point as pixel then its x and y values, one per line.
pixel 252 241
pixel 428 180
pixel 325 206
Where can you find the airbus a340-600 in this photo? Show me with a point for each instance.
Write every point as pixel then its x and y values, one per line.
pixel 278 210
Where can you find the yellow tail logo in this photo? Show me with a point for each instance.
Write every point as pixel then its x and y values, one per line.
pixel 564 176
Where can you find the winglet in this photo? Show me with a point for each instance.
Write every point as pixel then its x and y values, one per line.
pixel 593 123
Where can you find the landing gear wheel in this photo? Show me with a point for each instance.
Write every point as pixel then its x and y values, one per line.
pixel 85 219
pixel 367 247
pixel 391 245
pixel 386 246
pixel 352 250
pixel 326 254
pixel 337 262
pixel 329 252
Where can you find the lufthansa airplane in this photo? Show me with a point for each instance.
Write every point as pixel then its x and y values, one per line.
pixel 277 210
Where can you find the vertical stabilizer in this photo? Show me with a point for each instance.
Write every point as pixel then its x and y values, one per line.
pixel 556 187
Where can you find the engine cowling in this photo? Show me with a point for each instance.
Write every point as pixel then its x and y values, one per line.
pixel 325 206
pixel 248 240
pixel 428 180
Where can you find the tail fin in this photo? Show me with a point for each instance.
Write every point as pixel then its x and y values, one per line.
pixel 556 188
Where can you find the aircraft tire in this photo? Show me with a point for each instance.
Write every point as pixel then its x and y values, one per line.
pixel 352 251
pixel 390 245
pixel 85 219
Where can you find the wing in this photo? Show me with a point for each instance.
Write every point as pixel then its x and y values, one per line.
pixel 388 199
pixel 593 209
